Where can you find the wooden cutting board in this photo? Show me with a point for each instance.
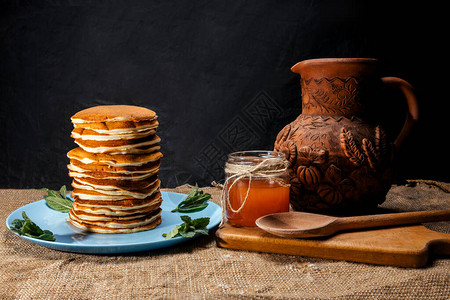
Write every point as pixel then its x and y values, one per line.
pixel 406 246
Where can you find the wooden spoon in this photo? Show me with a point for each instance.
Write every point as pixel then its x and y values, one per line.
pixel 302 224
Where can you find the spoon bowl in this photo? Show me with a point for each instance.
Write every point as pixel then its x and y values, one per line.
pixel 296 224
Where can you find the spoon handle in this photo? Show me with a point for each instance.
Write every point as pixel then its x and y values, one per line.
pixel 404 218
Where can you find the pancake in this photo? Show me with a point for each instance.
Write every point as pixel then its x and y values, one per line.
pixel 89 134
pixel 78 166
pixel 139 150
pixel 129 185
pixel 124 211
pixel 115 119
pixel 111 128
pixel 81 215
pixel 113 192
pixel 84 215
pixel 117 160
pixel 113 113
pixel 118 142
pixel 138 194
pixel 126 150
pixel 73 168
pixel 120 222
pixel 101 195
pixel 119 127
pixel 115 176
pixel 114 185
pixel 94 227
pixel 120 204
pixel 135 146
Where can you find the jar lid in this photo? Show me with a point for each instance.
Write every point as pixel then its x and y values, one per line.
pixel 256 161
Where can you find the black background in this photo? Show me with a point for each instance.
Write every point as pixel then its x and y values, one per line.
pixel 216 72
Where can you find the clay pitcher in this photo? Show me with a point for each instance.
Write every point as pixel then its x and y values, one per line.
pixel 340 158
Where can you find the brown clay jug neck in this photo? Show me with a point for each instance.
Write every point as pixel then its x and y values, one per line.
pixel 337 86
pixel 335 66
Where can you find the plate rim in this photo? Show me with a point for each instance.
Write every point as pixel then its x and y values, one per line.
pixel 78 247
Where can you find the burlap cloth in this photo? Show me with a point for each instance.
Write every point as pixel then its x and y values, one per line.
pixel 200 270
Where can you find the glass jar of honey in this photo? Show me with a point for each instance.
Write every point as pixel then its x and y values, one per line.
pixel 257 184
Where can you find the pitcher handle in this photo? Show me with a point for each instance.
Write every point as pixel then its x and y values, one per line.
pixel 412 115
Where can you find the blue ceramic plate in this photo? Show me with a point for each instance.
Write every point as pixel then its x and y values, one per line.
pixel 72 239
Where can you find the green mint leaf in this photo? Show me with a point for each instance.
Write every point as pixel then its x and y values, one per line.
pixel 29 228
pixel 25 217
pixel 195 201
pixel 19 232
pixel 202 231
pixel 187 234
pixel 182 203
pixel 173 233
pixel 47 236
pixel 63 192
pixel 59 204
pixel 58 200
pixel 193 209
pixel 17 224
pixel 189 228
pixel 186 219
pixel 53 193
pixel 193 192
pixel 200 222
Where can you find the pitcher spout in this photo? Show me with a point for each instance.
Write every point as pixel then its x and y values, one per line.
pixel 296 68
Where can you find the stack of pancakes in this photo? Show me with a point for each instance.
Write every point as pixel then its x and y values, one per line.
pixel 115 169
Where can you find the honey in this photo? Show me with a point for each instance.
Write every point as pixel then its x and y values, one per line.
pixel 265 197
pixel 256 186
